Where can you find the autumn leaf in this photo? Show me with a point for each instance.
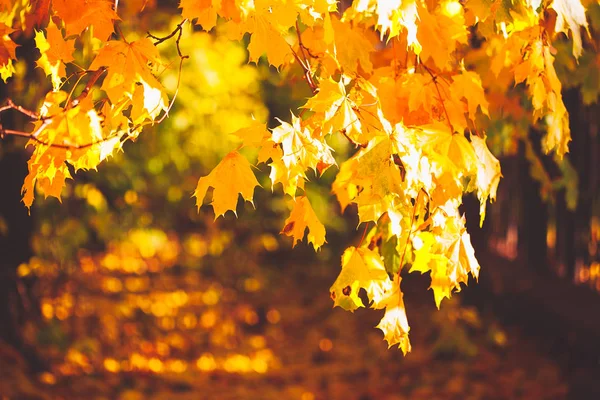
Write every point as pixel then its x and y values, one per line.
pixel 394 323
pixel 443 34
pixel 570 15
pixel 468 86
pixel 352 48
pixel 488 174
pixel 7 52
pixel 337 108
pixel 55 53
pixel 300 152
pixel 129 71
pixel 455 147
pixel 302 218
pixel 204 11
pixel 79 15
pixel 361 269
pixel 427 258
pixel 253 135
pixel 230 178
pixel 395 16
pixel 447 254
pixel 379 179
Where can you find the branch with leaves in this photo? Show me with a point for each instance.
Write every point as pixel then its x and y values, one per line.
pixel 414 159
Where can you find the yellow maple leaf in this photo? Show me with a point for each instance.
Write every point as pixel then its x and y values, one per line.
pixel 230 178
pixel 571 14
pixel 375 172
pixel 394 323
pixel 302 218
pixel 204 11
pixel 462 261
pixel 267 40
pixel 300 152
pixel 488 174
pixel 442 34
pixel 446 252
pixel 558 135
pixel 438 139
pixel 291 178
pixel 328 99
pixel 55 52
pixel 479 10
pixel 253 135
pixel 545 89
pixel 268 22
pixel 361 269
pixel 396 15
pixel 352 48
pixel 427 258
pixel 269 150
pixel 337 108
pixel 344 189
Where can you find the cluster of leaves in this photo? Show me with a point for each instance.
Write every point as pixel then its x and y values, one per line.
pixel 415 113
pixel 149 183
pixel 79 131
pixel 412 85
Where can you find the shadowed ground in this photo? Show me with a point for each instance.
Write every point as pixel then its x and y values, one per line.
pixel 260 329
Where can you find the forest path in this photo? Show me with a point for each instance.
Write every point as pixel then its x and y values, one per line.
pixel 268 331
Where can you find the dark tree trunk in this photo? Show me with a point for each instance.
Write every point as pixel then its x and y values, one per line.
pixel 533 221
pixel 14 243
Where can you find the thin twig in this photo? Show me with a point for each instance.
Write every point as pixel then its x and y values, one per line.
pixel 177 31
pixel 307 75
pixel 12 106
pixel 300 44
pixel 159 40
pixel 161 119
pixel 305 64
pixel 441 100
pixel 305 50
pixel 182 57
pixel 32 136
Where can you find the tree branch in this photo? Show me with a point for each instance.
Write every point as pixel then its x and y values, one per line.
pixel 88 87
pixel 33 136
pixel 12 106
pixel 177 31
pixel 304 64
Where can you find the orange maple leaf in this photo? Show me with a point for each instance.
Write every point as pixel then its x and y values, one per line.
pixel 78 15
pixel 231 177
pixel 301 218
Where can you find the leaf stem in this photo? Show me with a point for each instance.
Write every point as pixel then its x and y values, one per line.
pixel 363 235
pixel 412 218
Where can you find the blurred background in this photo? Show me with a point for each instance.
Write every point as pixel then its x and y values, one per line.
pixel 125 291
